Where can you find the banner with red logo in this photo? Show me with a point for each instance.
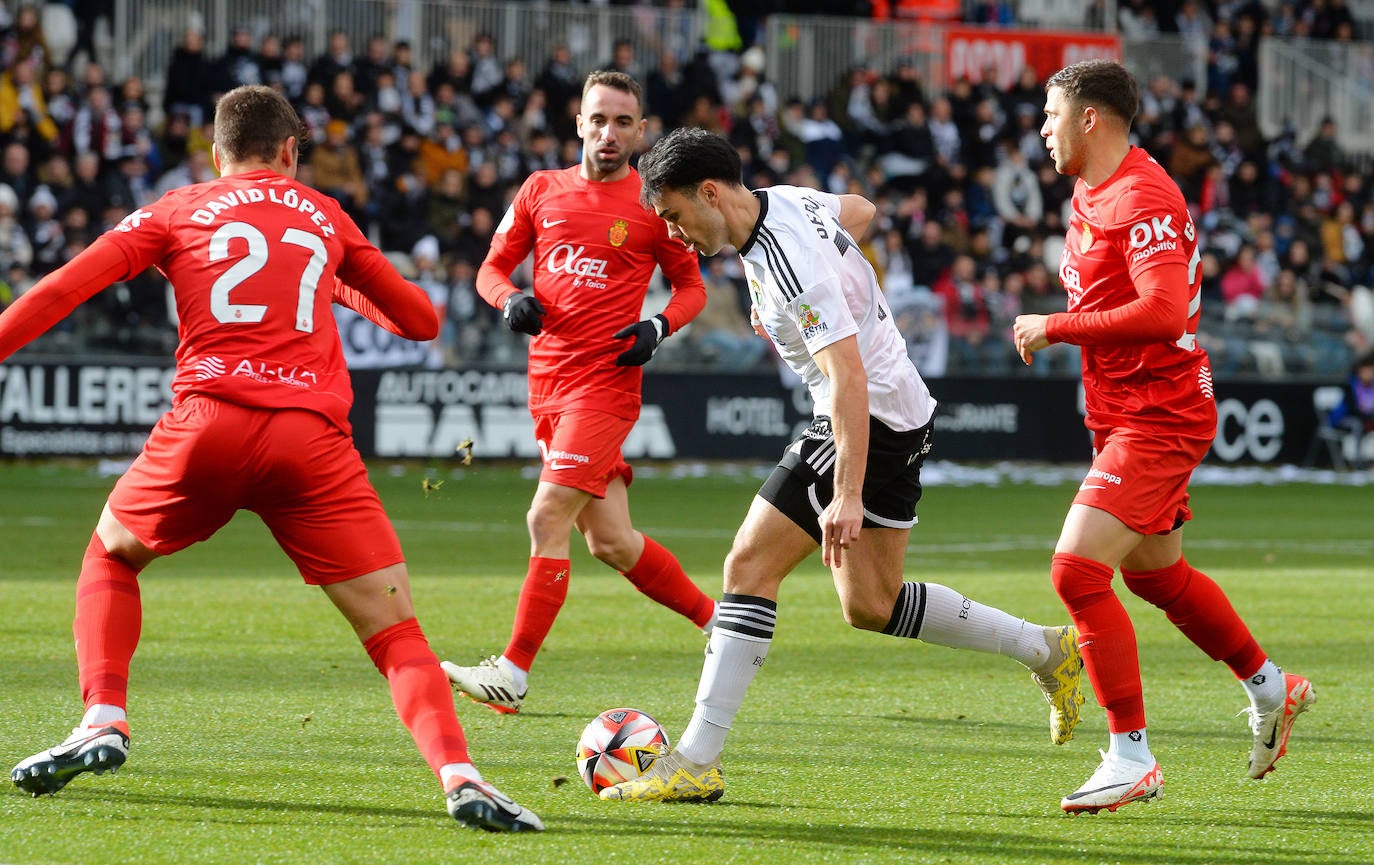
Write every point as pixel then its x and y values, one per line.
pixel 971 51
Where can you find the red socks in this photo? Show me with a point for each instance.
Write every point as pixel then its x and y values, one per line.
pixel 1199 608
pixel 541 597
pixel 659 575
pixel 109 620
pixel 1105 636
pixel 420 691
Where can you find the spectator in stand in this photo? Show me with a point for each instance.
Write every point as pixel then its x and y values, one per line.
pixel 1017 198
pixel 343 100
pixel 1242 287
pixel 269 60
pixel 559 79
pixel 15 248
pixel 337 172
pixel 720 337
pixel 447 209
pixel 21 93
pixel 238 65
pixel 1323 153
pixel 967 316
pixel 16 172
pixel 376 59
pixel 26 42
pixel 486 70
pixel 44 231
pixel 313 111
pixel 338 57
pixel 913 152
pixel 197 168
pixel 190 83
pixel 1355 412
pixel 294 72
pixel 1189 161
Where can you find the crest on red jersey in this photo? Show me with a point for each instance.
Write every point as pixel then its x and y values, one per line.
pixel 619 233
pixel 1086 240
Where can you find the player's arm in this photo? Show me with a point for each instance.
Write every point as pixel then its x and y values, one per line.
pixel 842 519
pixel 680 268
pixel 401 315
pixel 856 212
pixel 54 296
pixel 513 240
pixel 1158 314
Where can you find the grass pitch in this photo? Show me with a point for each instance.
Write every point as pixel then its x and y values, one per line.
pixel 262 733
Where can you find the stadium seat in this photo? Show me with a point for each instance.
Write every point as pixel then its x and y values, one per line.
pixel 1340 443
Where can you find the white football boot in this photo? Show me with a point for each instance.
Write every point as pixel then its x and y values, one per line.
pixel 488 684
pixel 1116 782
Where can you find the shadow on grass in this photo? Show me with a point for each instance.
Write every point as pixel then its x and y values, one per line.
pixel 951 844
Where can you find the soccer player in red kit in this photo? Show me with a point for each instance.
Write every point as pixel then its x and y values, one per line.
pixel 595 248
pixel 259 421
pixel 1130 268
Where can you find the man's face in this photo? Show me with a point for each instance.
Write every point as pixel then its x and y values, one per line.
pixel 692 219
pixel 1063 132
pixel 611 127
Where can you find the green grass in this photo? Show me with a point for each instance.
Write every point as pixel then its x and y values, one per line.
pixel 262 733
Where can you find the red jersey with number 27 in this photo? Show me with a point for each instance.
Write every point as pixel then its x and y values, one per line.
pixel 252 259
pixel 595 249
pixel 1134 221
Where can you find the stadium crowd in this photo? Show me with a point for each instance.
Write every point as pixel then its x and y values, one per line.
pixel 970 212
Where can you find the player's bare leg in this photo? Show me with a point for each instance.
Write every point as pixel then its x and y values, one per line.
pixel 650 568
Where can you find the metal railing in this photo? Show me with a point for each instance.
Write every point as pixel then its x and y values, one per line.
pixel 1304 81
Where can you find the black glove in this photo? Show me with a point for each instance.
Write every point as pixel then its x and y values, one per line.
pixel 648 334
pixel 524 314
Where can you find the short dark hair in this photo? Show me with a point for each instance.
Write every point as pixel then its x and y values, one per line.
pixel 253 121
pixel 616 81
pixel 685 157
pixel 1101 84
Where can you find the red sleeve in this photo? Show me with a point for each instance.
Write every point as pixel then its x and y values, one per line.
pixel 680 268
pixel 57 294
pixel 513 241
pixel 376 290
pixel 1159 314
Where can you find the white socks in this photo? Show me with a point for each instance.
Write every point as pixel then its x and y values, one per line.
pixel 101 714
pixel 738 646
pixel 939 615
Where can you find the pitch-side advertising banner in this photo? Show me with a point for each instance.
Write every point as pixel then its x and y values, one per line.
pixel 106 410
pixel 971 51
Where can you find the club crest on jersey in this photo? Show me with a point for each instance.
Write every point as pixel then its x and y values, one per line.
pixel 619 233
pixel 1086 239
pixel 810 322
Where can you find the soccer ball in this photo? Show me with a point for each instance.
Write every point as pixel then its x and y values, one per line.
pixel 618 745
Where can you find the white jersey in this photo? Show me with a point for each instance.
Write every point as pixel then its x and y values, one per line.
pixel 812 287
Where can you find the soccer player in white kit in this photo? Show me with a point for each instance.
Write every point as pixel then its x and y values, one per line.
pixel 850 483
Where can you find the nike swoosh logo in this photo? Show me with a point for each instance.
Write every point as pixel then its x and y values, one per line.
pixel 1273 737
pixel 557 466
pixel 1092 487
pixel 550 223
pixel 1081 793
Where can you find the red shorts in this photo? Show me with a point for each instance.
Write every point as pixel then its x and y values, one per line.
pixel 206 459
pixel 1141 478
pixel 581 449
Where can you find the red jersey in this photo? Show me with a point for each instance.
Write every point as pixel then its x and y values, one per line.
pixel 1121 229
pixel 595 248
pixel 255 260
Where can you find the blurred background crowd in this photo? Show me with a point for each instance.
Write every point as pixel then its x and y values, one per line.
pixel 971 214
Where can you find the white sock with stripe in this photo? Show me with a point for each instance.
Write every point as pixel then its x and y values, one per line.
pixel 737 649
pixel 939 615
